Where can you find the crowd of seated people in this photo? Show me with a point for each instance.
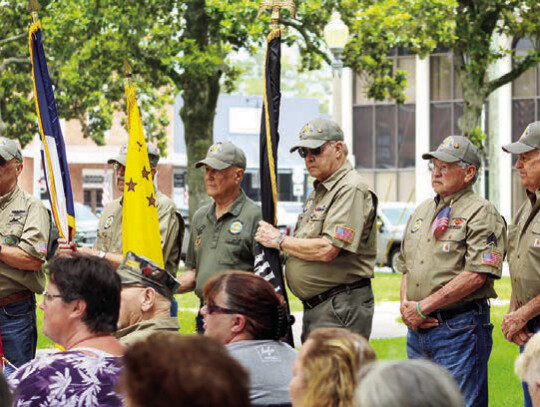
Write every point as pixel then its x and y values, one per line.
pixel 240 361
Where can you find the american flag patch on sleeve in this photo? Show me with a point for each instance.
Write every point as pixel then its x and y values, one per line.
pixel 345 234
pixel 42 247
pixel 491 259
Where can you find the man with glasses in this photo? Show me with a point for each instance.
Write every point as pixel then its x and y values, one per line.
pixel 523 317
pixel 147 292
pixel 221 232
pixel 108 243
pixel 330 258
pixel 451 253
pixel 24 235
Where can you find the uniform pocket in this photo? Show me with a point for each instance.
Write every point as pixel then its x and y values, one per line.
pixel 229 251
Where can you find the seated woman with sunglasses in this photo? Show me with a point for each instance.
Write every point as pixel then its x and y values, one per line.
pixel 244 312
pixel 80 313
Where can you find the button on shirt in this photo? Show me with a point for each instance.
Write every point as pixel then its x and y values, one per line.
pixel 524 250
pixel 342 210
pixel 474 241
pixel 222 244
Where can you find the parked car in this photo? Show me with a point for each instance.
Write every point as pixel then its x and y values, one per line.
pixel 86 224
pixel 391 220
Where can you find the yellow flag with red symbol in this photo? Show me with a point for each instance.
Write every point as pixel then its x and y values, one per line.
pixel 140 225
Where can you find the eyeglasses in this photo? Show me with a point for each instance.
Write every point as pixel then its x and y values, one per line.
pixel 303 151
pixel 443 169
pixel 117 167
pixel 47 297
pixel 216 309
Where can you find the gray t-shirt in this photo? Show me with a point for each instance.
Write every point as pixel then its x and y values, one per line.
pixel 269 364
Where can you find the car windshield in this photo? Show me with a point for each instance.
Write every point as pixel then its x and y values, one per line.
pixel 292 207
pixel 394 215
pixel 83 212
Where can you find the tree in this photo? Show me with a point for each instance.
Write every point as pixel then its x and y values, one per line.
pixel 464 27
pixel 174 46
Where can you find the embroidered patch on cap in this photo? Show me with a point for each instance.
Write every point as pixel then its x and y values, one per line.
pixel 307 130
pixel 215 148
pixel 236 227
pixel 42 247
pixel 345 234
pixel 448 142
pixel 492 259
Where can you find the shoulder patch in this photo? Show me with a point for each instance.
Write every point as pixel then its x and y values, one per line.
pixel 344 233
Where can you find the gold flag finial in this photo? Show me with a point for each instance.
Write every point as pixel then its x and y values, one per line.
pixel 276 6
pixel 33 7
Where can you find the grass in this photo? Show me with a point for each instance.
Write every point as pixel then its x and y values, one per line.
pixel 504 386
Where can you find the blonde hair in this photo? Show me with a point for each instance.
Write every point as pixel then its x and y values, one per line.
pixel 527 364
pixel 331 364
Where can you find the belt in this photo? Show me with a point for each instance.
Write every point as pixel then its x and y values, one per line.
pixel 19 296
pixel 451 312
pixel 314 301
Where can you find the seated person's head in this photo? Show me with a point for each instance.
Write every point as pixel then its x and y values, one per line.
pixel 242 306
pixel 528 368
pixel 325 373
pixel 167 369
pixel 81 290
pixel 407 383
pixel 147 290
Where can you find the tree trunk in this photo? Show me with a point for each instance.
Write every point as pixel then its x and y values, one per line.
pixel 200 97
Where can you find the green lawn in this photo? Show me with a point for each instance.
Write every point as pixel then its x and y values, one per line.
pixel 504 386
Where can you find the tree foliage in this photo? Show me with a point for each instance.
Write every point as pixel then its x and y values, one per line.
pixel 464 27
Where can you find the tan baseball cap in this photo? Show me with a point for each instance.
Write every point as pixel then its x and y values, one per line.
pixel 454 149
pixel 137 269
pixel 153 155
pixel 317 132
pixel 529 140
pixel 222 155
pixel 9 149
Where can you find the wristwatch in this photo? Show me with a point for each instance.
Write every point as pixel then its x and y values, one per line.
pixel 280 240
pixel 101 254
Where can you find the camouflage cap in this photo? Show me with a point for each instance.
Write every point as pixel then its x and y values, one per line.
pixel 153 155
pixel 137 269
pixel 454 149
pixel 529 140
pixel 9 149
pixel 317 132
pixel 222 155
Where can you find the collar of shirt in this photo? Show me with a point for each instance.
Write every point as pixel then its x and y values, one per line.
pixel 533 197
pixel 332 180
pixel 440 201
pixel 9 196
pixel 234 209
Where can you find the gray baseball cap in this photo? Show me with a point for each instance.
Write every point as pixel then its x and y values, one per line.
pixel 9 149
pixel 222 155
pixel 153 155
pixel 529 140
pixel 137 269
pixel 454 149
pixel 317 132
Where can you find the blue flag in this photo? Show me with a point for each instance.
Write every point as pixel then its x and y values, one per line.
pixel 53 151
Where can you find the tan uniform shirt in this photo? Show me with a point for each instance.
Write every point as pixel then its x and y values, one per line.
pixel 139 331
pixel 25 223
pixel 474 241
pixel 222 244
pixel 341 210
pixel 524 250
pixel 109 234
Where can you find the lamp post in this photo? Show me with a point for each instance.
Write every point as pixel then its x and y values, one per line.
pixel 336 34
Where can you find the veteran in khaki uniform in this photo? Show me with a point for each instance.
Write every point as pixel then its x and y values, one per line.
pixel 221 233
pixel 448 273
pixel 147 292
pixel 109 242
pixel 522 319
pixel 24 235
pixel 331 257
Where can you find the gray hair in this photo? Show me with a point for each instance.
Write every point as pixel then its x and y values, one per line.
pixel 462 164
pixel 407 383
pixel 527 364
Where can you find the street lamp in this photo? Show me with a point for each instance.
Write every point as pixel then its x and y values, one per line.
pixel 336 34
